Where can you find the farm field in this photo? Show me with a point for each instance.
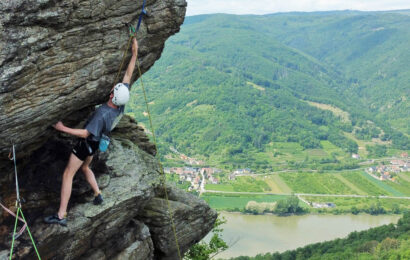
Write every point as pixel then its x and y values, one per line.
pixel 350 185
pixel 331 148
pixel 363 183
pixel 277 185
pixel 343 183
pixel 383 185
pixel 283 151
pixel 316 154
pixel 236 202
pixel 273 185
pixel 405 176
pixel 219 187
pixel 242 184
pixel 315 183
pixel 401 186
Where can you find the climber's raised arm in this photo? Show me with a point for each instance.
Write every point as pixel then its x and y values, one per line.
pixel 131 64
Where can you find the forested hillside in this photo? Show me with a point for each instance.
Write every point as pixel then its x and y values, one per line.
pixel 227 88
pixel 370 48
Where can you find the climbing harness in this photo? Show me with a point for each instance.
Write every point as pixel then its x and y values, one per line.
pixel 133 33
pixel 19 212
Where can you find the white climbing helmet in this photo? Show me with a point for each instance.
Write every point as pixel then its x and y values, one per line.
pixel 121 94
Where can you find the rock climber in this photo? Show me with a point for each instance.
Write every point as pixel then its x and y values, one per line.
pixel 101 123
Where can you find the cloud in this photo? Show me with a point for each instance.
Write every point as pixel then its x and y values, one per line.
pixel 272 6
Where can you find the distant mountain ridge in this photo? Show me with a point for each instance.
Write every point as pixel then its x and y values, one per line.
pixel 227 86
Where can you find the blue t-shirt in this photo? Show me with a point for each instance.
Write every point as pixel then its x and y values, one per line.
pixel 103 121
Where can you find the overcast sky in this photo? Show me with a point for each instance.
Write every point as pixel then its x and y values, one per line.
pixel 273 6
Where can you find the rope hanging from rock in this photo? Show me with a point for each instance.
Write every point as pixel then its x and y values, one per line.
pixel 11 212
pixel 133 33
pixel 19 212
pixel 160 164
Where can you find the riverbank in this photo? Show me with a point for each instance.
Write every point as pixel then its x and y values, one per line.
pixel 305 214
pixel 253 234
pixel 337 205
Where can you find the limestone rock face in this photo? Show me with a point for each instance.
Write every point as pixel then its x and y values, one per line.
pixel 58 59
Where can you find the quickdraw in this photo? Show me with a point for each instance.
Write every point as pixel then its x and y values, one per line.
pixel 134 30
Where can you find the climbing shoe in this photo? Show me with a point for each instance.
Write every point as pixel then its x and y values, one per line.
pixel 54 219
pixel 98 199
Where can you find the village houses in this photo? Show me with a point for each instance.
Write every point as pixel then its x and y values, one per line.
pixel 240 172
pixel 387 172
pixel 194 175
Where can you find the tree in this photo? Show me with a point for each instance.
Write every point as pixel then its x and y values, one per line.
pixel 354 210
pixel 290 205
pixel 376 209
pixel 206 251
pixel 377 150
pixel 388 244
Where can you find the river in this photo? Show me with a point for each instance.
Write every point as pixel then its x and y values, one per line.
pixel 254 234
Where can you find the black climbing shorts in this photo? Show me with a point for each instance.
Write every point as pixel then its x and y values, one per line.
pixel 85 148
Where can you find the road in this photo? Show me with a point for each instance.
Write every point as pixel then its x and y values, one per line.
pixel 305 194
pixel 367 162
pixel 203 182
pixel 294 171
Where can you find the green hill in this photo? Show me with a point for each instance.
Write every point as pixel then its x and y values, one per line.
pixel 370 48
pixel 228 88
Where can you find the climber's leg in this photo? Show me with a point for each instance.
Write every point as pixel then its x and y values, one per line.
pixel 89 175
pixel 72 167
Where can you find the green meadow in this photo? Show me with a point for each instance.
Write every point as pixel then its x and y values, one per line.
pixel 315 183
pixel 337 183
pixel 364 183
pixel 236 202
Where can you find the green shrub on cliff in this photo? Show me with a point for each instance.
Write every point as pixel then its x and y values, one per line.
pixel 206 251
